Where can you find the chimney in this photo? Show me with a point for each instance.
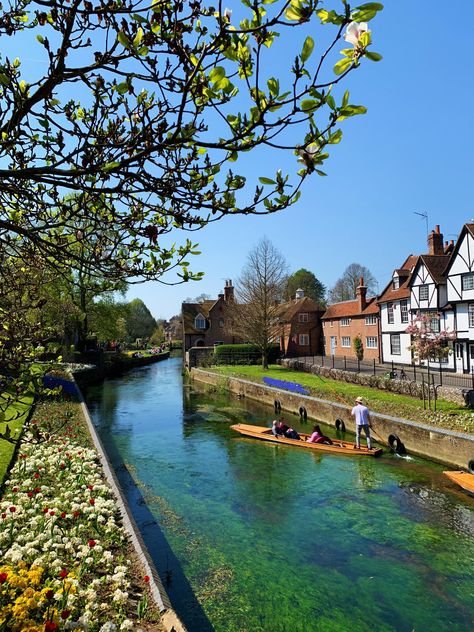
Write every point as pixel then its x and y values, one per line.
pixel 361 293
pixel 229 291
pixel 435 242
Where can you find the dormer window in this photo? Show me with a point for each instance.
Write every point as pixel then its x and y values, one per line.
pixel 396 282
pixel 200 322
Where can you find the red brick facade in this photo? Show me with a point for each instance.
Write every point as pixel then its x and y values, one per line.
pixel 300 330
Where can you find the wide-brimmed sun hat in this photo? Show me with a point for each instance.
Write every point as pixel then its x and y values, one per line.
pixel 360 400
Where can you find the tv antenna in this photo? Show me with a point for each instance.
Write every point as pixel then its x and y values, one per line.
pixel 424 215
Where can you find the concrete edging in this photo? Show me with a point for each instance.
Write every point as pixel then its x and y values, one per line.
pixel 169 619
pixel 438 444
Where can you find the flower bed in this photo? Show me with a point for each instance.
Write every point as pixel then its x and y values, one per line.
pixel 294 387
pixel 65 557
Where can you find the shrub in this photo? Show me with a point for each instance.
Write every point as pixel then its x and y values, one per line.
pixel 243 354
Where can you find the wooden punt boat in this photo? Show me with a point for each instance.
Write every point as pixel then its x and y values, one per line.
pixel 464 479
pixel 338 447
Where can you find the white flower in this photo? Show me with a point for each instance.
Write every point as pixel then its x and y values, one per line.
pixel 353 32
pixel 227 14
pixel 308 153
pixel 108 627
pixel 126 625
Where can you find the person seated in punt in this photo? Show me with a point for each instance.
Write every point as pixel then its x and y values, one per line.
pixel 279 429
pixel 318 437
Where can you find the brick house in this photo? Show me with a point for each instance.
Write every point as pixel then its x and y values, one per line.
pixel 343 321
pixel 209 323
pixel 299 326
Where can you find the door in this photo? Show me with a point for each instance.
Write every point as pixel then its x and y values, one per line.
pixel 471 358
pixel 459 355
pixel 333 345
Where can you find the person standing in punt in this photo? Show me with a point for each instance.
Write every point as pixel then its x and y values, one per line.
pixel 362 419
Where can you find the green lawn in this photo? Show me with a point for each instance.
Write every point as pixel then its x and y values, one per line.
pixel 15 417
pixel 448 415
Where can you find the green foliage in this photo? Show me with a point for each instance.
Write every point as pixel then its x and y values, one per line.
pixel 358 347
pixel 139 322
pixel 307 281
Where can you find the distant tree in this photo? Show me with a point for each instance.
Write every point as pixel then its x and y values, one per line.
pixel 258 292
pixel 345 287
pixel 307 281
pixel 139 321
pixel 107 319
pixel 199 299
pixel 158 335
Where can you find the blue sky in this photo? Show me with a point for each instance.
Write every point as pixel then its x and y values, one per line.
pixel 412 152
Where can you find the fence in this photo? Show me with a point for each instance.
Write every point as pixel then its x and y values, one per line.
pixel 416 373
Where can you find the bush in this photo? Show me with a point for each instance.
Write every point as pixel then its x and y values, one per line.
pixel 243 354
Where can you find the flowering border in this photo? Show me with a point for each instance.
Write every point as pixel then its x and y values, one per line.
pixel 294 387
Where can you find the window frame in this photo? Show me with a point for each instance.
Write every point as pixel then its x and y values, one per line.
pixel 303 340
pixel 424 287
pixel 303 317
pixel 393 347
pixel 470 314
pixel 390 313
pixel 370 346
pixel 344 340
pixel 468 276
pixel 371 319
pixel 200 319
pixel 404 311
pixel 346 321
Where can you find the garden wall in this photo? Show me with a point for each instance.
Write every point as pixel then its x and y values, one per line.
pixel 446 446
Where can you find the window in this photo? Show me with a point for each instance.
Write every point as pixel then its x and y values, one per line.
pixel 395 348
pixel 390 313
pixel 404 311
pixel 371 320
pixel 200 322
pixel 304 340
pixel 423 292
pixel 396 283
pixel 221 322
pixel 330 323
pixel 303 318
pixel 371 342
pixel 345 322
pixel 434 324
pixel 468 281
pixel 471 315
pixel 345 341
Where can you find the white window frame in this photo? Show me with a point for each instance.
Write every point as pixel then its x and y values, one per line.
pixel 345 322
pixel 467 281
pixel 395 349
pixel 303 340
pixel 371 342
pixel 371 319
pixel 221 323
pixel 435 324
pixel 303 317
pixel 345 341
pixel 404 311
pixel 396 283
pixel 200 322
pixel 471 314
pixel 426 290
pixel 390 314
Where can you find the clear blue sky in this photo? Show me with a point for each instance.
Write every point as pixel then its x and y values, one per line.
pixel 412 152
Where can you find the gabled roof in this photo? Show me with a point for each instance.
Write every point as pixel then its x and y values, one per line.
pixel 351 308
pixel 435 265
pixel 467 228
pixel 191 310
pixel 287 311
pixel 389 293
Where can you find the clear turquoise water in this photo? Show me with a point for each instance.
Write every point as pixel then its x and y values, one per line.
pixel 250 536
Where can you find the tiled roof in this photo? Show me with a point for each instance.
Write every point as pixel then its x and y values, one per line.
pixel 287 311
pixel 389 293
pixel 191 310
pixel 436 264
pixel 351 308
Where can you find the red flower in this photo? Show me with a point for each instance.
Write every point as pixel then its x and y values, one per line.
pixel 50 626
pixel 14 490
pixel 65 614
pixel 37 490
pixel 4 515
pixel 63 573
pixel 76 514
pixel 45 509
pixel 51 513
pixel 50 595
pixel 146 579
pixel 92 501
pixel 3 577
pixel 13 509
pixel 36 475
pixel 91 543
pixel 62 465
pixel 63 515
pixel 30 494
pixel 91 487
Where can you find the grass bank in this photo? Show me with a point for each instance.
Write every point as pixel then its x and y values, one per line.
pixel 15 417
pixel 448 415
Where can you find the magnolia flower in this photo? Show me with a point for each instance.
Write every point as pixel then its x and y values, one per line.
pixel 227 14
pixel 353 32
pixel 308 153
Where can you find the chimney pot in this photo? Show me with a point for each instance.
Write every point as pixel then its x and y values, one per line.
pixel 435 242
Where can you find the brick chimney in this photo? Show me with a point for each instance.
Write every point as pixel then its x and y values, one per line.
pixel 361 293
pixel 229 291
pixel 435 242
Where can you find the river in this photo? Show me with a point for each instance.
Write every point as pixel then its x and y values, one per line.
pixel 253 537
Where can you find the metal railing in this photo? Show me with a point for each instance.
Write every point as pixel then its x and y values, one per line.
pixel 439 376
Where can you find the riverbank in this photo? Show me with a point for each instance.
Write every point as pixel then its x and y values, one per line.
pixel 446 446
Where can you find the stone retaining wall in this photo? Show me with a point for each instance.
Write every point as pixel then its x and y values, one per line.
pixel 455 449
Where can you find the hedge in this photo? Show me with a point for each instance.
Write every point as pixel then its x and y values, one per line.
pixel 243 354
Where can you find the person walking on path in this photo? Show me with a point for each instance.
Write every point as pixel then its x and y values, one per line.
pixel 362 419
